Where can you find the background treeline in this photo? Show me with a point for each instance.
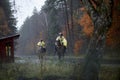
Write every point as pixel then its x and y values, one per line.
pixel 7 19
pixel 72 19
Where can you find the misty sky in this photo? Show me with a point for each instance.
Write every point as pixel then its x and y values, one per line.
pixel 25 8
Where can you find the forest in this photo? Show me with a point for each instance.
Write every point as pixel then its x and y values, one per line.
pixel 7 20
pixel 91 28
pixel 72 19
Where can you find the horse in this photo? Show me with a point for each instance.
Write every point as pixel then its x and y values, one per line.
pixel 41 53
pixel 60 50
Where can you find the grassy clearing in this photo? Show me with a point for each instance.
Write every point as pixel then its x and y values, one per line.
pixel 110 73
pixel 13 71
pixel 52 70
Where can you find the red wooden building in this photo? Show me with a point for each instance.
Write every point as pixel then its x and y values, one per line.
pixel 7 48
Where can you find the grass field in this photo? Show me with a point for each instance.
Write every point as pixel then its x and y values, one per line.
pixel 51 70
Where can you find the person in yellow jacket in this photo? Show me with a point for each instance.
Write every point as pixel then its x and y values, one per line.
pixel 62 40
pixel 41 49
pixel 41 44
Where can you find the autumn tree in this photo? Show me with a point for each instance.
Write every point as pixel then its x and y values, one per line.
pixel 100 14
pixel 113 39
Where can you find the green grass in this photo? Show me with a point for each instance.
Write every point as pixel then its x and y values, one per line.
pixel 14 70
pixel 110 73
pixel 53 70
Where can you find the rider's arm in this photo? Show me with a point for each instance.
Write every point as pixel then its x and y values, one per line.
pixel 38 44
pixel 57 38
pixel 65 42
pixel 44 44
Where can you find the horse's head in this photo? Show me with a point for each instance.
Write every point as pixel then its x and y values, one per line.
pixel 58 43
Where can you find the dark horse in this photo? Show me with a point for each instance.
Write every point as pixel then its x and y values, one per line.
pixel 59 49
pixel 41 52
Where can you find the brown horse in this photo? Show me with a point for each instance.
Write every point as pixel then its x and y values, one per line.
pixel 59 48
pixel 41 53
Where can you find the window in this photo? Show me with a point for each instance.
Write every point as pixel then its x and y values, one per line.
pixel 8 49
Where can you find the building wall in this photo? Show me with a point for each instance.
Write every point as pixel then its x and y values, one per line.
pixel 4 56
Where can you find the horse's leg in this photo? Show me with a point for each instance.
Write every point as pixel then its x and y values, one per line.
pixel 62 52
pixel 39 56
pixel 62 55
pixel 59 56
pixel 44 57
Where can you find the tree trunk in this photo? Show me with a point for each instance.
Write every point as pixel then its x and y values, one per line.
pixel 67 17
pixel 71 15
pixel 68 28
pixel 101 21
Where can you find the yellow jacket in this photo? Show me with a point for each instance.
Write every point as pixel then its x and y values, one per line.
pixel 62 40
pixel 41 44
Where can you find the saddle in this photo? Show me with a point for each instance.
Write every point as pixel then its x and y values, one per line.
pixel 42 50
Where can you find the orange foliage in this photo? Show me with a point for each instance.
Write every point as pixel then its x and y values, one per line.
pixel 113 36
pixel 86 23
pixel 77 46
pixel 87 28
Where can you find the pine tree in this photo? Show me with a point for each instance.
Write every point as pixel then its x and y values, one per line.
pixel 7 7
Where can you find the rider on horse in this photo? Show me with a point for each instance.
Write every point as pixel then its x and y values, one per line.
pixel 41 45
pixel 62 41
